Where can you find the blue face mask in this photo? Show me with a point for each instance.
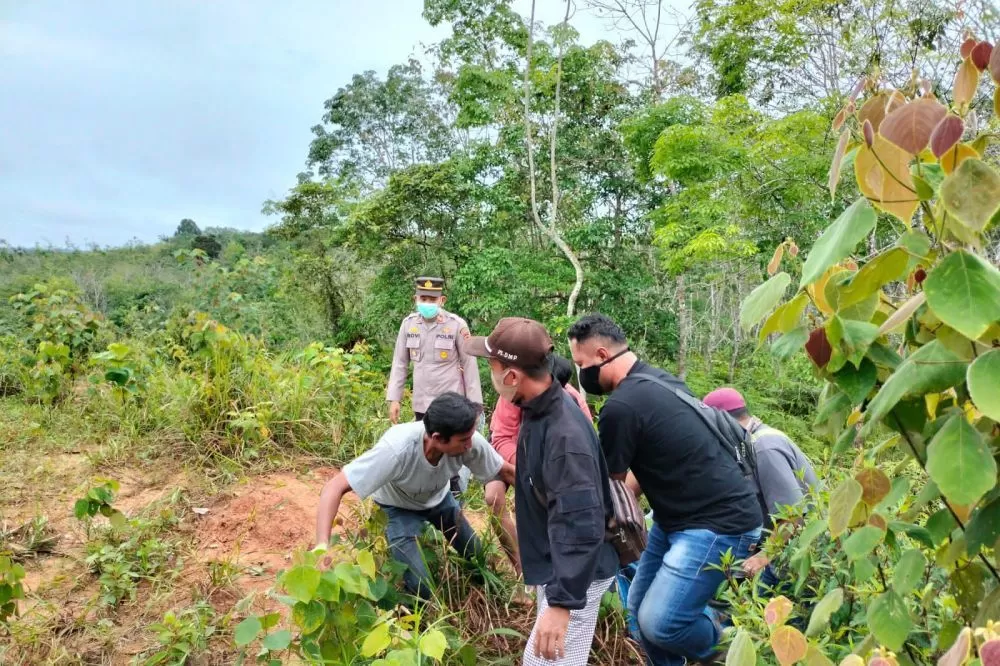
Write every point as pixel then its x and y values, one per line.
pixel 428 310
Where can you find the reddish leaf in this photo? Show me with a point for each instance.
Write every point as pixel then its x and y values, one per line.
pixel 958 653
pixel 919 275
pixel 818 348
pixel 878 520
pixel 858 87
pixel 789 645
pixel 946 134
pixel 873 110
pixel 869 132
pixel 925 87
pixel 793 249
pixel 838 120
pixel 777 611
pixel 966 82
pixel 875 485
pixel 775 263
pixel 980 55
pixel 967 46
pixel 994 65
pixel 989 653
pixel 910 126
pixel 851 108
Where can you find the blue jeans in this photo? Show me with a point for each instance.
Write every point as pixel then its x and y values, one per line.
pixel 623 581
pixel 671 589
pixel 405 525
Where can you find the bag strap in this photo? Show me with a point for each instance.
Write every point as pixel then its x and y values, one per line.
pixel 703 412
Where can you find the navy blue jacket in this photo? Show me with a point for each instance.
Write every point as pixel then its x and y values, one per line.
pixel 562 500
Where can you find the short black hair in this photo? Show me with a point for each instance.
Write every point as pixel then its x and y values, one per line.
pixel 739 413
pixel 596 325
pixel 450 414
pixel 562 369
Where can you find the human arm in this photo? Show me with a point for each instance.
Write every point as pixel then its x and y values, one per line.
pixel 505 424
pixel 485 463
pixel 633 484
pixel 507 473
pixel 329 504
pixel 397 375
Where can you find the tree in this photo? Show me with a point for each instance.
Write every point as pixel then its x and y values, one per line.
pixel 187 227
pixel 207 244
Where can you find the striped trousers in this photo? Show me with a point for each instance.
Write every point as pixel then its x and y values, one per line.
pixel 579 633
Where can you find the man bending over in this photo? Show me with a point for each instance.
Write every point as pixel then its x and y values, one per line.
pixel 408 473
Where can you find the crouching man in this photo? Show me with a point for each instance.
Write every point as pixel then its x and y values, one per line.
pixel 562 494
pixel 408 473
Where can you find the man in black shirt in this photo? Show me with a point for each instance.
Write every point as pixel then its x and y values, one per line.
pixel 702 504
pixel 561 491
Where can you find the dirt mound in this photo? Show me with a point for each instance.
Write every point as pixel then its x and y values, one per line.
pixel 260 524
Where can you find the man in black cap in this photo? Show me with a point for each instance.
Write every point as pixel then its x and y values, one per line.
pixel 562 494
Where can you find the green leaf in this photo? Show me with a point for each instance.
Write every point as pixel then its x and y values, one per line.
pixel 763 299
pixel 301 582
pixel 827 606
pixel 742 651
pixel 812 530
pixel 376 641
pixel 915 532
pixel 785 317
pixel 247 630
pixel 433 644
pixel 964 292
pixel 843 499
pixel 839 240
pixel 983 529
pixel 117 519
pixel 309 616
pixel 883 269
pixel 983 379
pixel 960 462
pixel 931 369
pixel 899 490
pixel 924 190
pixel 941 524
pixel 932 173
pixel 790 343
pixel 909 571
pixel 971 194
pixel 862 542
pixel 889 620
pixel 81 508
pixel 858 382
pixel 279 640
pixel 863 571
pixel 989 609
pixel 851 337
pixel 367 563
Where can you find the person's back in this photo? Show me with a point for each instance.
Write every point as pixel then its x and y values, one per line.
pixel 776 452
pixel 690 480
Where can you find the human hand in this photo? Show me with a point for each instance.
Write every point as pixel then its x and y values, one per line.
pixel 753 565
pixel 394 411
pixel 550 633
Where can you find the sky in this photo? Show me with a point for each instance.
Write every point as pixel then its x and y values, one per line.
pixel 118 119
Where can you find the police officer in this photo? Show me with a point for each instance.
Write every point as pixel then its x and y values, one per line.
pixel 433 341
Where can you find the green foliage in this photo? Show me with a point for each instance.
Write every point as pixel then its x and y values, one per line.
pixel 914 562
pixel 182 636
pixel 11 588
pixel 336 615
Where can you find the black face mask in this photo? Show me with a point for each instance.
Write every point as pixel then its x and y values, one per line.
pixel 590 377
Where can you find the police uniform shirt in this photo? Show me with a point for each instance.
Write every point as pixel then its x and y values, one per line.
pixel 435 348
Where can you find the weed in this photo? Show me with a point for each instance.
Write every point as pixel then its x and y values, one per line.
pixel 29 539
pixel 182 635
pixel 11 588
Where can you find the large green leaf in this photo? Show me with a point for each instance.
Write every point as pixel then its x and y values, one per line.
pixel 433 644
pixel 279 640
pixel 309 616
pixel 858 382
pixel 960 462
pixel 742 651
pixel 827 606
pixel 301 582
pixel 964 292
pixel 983 380
pixel 983 528
pixel 839 240
pixel 862 542
pixel 930 369
pixel 909 571
pixel 851 338
pixel 971 194
pixel 785 317
pixel 790 343
pixel 376 641
pixel 843 499
pixel 247 630
pixel 889 620
pixel 763 299
pixel 881 270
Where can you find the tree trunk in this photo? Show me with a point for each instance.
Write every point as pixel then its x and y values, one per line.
pixel 550 229
pixel 683 325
